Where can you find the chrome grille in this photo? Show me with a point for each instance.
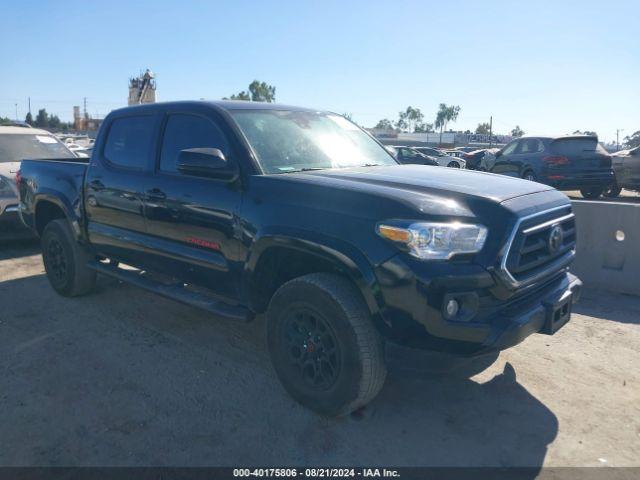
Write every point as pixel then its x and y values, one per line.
pixel 533 253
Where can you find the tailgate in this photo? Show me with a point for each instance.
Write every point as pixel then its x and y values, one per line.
pixel 584 153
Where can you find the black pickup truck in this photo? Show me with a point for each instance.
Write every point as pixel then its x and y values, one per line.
pixel 244 208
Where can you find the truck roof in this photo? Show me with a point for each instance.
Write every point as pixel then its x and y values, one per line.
pixel 220 104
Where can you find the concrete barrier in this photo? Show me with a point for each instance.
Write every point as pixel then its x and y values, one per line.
pixel 608 252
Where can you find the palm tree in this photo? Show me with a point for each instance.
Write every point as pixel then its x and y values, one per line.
pixel 445 115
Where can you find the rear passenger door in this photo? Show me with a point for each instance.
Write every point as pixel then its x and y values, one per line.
pixel 527 156
pixel 192 220
pixel 115 184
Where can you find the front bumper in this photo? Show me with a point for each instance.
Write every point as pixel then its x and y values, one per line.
pixel 547 315
pixel 412 310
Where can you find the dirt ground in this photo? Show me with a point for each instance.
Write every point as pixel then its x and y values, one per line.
pixel 122 377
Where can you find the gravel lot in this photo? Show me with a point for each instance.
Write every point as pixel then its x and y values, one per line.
pixel 122 377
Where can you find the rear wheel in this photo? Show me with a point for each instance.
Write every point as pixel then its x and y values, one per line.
pixel 613 191
pixel 453 165
pixel 324 347
pixel 65 261
pixel 591 193
pixel 529 175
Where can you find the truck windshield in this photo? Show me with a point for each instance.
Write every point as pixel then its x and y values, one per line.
pixel 17 147
pixel 288 141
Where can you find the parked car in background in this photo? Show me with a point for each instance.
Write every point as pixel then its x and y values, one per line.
pixel 576 162
pixel 455 153
pixel 467 149
pixel 442 158
pixel 626 169
pixel 474 158
pixel 410 155
pixel 16 144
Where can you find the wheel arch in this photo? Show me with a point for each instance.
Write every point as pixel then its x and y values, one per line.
pixel 277 258
pixel 49 206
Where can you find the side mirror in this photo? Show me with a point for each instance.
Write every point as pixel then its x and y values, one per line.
pixel 206 162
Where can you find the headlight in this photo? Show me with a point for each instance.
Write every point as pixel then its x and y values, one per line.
pixel 436 241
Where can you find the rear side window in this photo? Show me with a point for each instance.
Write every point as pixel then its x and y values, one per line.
pixel 129 141
pixel 531 145
pixel 189 131
pixel 574 146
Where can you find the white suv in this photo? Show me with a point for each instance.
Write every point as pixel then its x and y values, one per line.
pixel 16 144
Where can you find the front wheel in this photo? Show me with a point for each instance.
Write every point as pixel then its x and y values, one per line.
pixel 323 345
pixel 591 193
pixel 453 165
pixel 529 175
pixel 613 191
pixel 65 261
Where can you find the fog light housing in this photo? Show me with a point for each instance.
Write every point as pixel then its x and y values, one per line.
pixel 451 308
pixel 460 306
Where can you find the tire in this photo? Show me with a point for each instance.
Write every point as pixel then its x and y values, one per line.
pixel 65 261
pixel 591 193
pixel 613 191
pixel 529 175
pixel 337 321
pixel 453 165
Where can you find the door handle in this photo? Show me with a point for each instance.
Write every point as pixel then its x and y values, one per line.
pixel 96 185
pixel 156 194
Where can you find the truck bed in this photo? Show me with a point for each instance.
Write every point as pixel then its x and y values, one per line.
pixel 54 179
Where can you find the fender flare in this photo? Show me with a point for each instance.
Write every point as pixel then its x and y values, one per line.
pixel 345 256
pixel 71 214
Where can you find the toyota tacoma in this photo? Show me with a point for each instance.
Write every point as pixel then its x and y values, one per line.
pixel 244 208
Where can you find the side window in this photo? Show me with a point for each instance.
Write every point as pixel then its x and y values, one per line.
pixel 509 149
pixel 409 153
pixel 189 131
pixel 129 141
pixel 531 145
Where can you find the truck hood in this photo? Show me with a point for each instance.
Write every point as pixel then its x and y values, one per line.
pixel 429 180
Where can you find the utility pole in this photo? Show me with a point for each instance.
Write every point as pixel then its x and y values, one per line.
pixel 29 105
pixel 490 131
pixel 16 112
pixel 618 138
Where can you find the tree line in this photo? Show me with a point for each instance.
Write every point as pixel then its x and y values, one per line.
pixel 411 120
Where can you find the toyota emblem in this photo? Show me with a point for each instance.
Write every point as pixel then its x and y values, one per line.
pixel 555 239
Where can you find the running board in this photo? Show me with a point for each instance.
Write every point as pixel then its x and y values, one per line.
pixel 174 292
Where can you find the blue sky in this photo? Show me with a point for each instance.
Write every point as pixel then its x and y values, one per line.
pixel 550 67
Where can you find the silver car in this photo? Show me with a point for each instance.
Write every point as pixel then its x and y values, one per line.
pixel 16 144
pixel 626 167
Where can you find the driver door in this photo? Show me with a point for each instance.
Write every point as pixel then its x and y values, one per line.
pixel 192 219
